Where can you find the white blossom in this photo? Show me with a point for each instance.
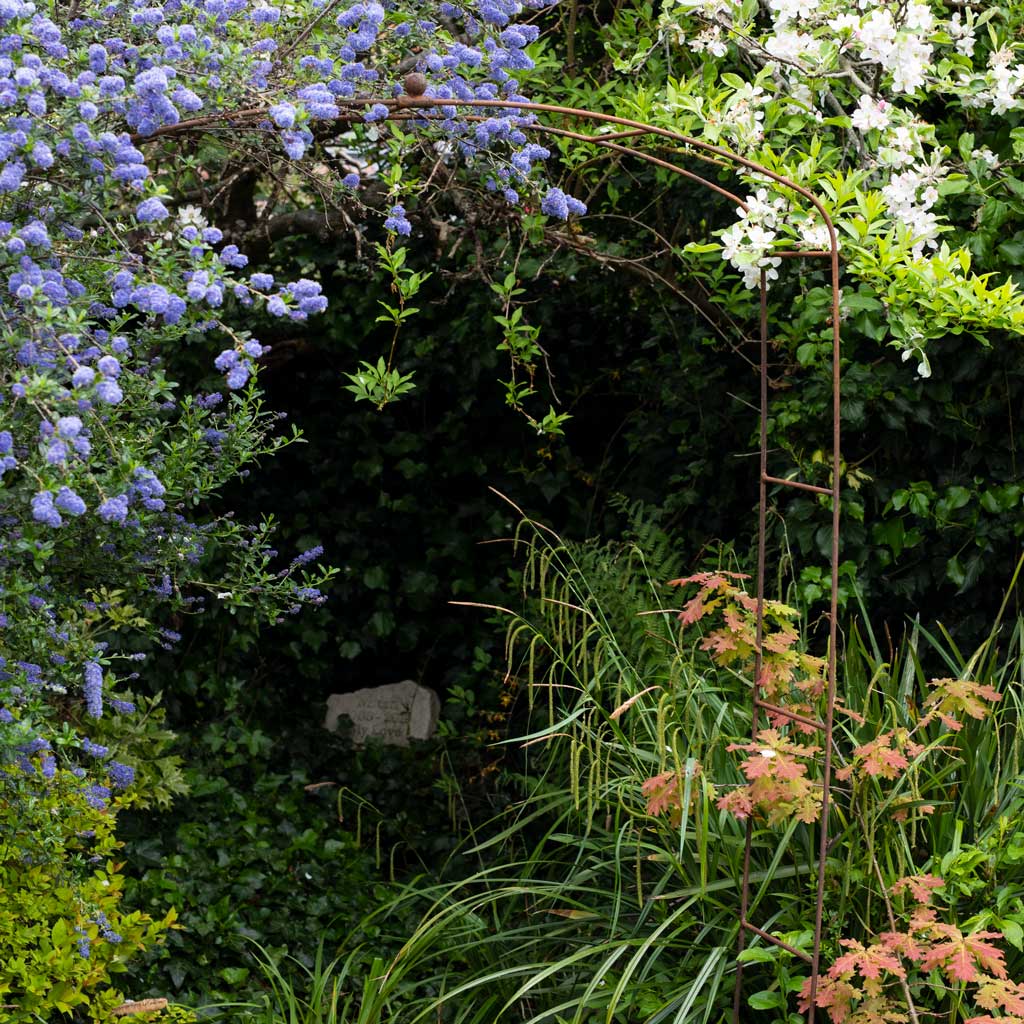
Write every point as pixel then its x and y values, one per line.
pixel 793 10
pixel 901 146
pixel 987 155
pixel 844 23
pixel 191 216
pixel 870 114
pixel 787 45
pixel 911 57
pixel 911 194
pixel 710 39
pixel 919 17
pixel 962 33
pixel 814 235
pixel 877 37
pixel 1004 84
pixel 748 243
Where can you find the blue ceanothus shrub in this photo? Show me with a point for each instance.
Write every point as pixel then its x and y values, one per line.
pixel 105 464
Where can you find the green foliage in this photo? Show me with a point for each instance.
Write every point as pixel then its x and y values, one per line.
pixel 611 890
pixel 329 997
pixel 241 859
pixel 378 384
pixel 288 838
pixel 64 934
pixel 148 745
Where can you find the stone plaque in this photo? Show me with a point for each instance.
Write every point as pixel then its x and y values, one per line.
pixel 394 714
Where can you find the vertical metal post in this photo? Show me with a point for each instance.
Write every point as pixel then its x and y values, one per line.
pixel 833 628
pixel 826 724
pixel 762 522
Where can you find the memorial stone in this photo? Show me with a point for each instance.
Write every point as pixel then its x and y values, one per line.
pixel 394 714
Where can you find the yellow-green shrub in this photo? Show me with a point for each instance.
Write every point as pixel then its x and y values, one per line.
pixel 63 934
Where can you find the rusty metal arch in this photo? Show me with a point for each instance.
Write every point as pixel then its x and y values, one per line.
pixel 404 107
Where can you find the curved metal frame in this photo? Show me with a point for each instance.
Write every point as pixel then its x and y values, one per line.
pixel 403 107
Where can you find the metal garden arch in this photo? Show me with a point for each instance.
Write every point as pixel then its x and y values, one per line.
pixel 413 100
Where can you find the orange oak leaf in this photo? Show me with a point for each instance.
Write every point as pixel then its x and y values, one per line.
pixel 920 887
pixel 665 793
pixel 738 803
pixel 961 955
pixel 693 610
pixel 998 993
pixel 780 641
pixel 902 943
pixel 867 961
pixel 956 697
pixel 662 792
pixel 835 996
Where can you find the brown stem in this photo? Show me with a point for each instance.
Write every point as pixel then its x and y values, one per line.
pixel 911 1009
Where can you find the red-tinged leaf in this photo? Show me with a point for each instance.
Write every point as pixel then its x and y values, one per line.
pixel 739 625
pixel 664 794
pixel 961 956
pixel 878 1010
pixel 781 641
pixel 778 720
pixel 760 766
pixel 900 943
pixel 786 769
pixel 953 698
pixel 920 887
pixel 1001 994
pixel 835 996
pixel 808 809
pixel 959 965
pixel 847 963
pixel 923 919
pixel 692 611
pixel 737 803
pixel 778 787
pixel 700 578
pixel 774 677
pixel 868 961
pixel 879 758
pixel 990 958
pixel 719 643
pixel 711 580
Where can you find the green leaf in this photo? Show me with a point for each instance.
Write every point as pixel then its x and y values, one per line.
pixel 955 571
pixel 1012 932
pixel 767 1000
pixel 757 955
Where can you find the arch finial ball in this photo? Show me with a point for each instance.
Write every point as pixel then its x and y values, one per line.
pixel 415 84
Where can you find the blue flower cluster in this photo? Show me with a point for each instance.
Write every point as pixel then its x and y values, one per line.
pixel 105 268
pixel 100 266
